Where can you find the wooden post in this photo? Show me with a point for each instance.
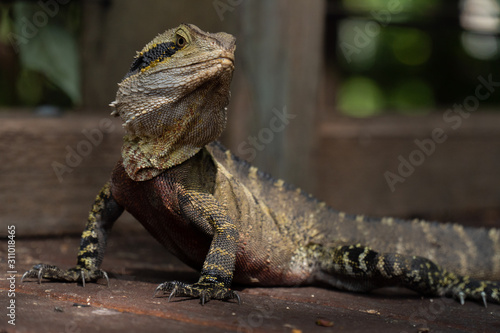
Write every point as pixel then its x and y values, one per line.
pixel 280 62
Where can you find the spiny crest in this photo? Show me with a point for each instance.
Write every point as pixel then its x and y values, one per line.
pixel 162 47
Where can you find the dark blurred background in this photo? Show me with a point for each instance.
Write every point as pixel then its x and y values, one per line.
pixel 384 107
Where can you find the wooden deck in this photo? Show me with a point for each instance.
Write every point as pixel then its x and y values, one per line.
pixel 137 264
pixel 49 233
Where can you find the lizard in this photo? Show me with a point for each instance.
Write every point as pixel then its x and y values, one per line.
pixel 237 224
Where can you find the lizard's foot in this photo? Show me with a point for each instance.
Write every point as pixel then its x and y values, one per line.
pixel 205 291
pixel 43 271
pixel 481 291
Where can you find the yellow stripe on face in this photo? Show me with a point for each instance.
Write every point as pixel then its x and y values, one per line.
pixel 156 54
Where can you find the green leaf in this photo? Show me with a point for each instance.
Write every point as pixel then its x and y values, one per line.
pixel 48 49
pixel 53 52
pixel 5 23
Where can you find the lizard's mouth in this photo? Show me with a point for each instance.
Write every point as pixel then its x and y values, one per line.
pixel 226 61
pixel 221 62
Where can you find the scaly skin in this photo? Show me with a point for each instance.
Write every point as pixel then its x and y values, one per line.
pixel 232 222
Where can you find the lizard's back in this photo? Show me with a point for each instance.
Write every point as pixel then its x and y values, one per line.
pixel 304 220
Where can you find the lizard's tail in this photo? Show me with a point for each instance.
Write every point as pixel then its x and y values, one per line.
pixel 463 250
pixel 359 268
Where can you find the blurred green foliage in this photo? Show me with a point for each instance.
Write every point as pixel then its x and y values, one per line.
pixel 391 56
pixel 39 54
pixel 412 56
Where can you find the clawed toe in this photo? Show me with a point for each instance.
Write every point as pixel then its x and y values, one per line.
pixel 203 291
pixel 485 295
pixel 37 271
pixel 43 271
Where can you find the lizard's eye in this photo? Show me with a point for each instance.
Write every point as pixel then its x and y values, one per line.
pixel 180 42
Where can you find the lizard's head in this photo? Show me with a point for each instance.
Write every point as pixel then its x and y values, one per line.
pixel 173 99
pixel 178 87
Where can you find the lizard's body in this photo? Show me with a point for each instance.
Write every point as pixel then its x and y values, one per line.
pixel 234 223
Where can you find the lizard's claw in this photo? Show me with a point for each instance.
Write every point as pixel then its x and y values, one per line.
pixel 480 291
pixel 202 290
pixel 43 271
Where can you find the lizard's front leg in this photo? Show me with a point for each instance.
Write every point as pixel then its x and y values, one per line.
pixel 104 213
pixel 217 273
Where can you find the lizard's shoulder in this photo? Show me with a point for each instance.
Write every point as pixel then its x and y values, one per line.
pixel 240 168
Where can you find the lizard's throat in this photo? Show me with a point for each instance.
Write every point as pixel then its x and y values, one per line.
pixel 145 157
pixel 164 130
